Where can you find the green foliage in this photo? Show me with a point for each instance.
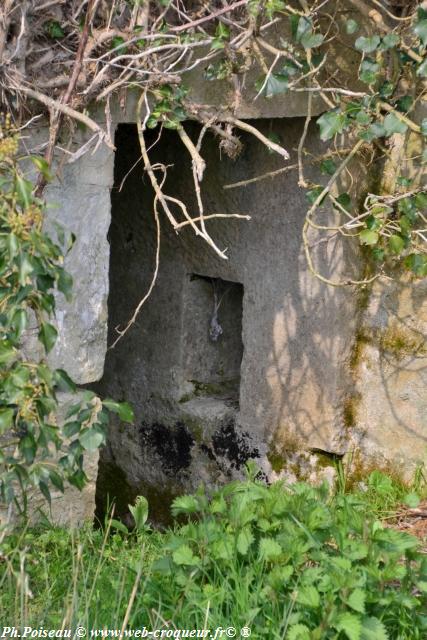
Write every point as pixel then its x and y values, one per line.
pixel 390 226
pixel 139 512
pixel 331 123
pixel 35 450
pixel 328 563
pixel 168 110
pixel 287 561
pixel 54 29
pixel 390 230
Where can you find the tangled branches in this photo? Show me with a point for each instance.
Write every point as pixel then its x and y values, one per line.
pixel 66 57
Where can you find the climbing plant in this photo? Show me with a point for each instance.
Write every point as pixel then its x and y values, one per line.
pixel 68 57
pixel 36 450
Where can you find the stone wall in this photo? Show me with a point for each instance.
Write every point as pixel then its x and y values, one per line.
pixel 302 372
pixel 297 332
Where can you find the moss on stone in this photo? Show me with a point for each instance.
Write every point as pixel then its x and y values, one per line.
pixel 186 398
pixel 282 447
pixel 196 429
pixel 358 469
pixel 276 460
pixel 213 388
pixel 350 407
pixel 325 460
pixel 400 341
pixel 362 339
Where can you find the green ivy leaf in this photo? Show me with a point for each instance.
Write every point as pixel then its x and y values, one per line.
pixel 396 244
pixel 390 41
pixel 123 409
pixel 420 201
pixel 376 130
pixel 19 321
pixel 294 20
pixel 313 194
pixel 417 263
pixel 151 122
pixel 351 26
pixel 78 479
pixel 305 27
pixel 276 84
pixel 6 419
pixel 312 40
pixel 420 29
pixel 393 124
pixel 222 30
pixel 373 223
pixel 369 71
pixel 405 103
pixel 368 237
pixel 422 69
pixel 402 181
pixel 328 167
pixel 367 45
pixel 47 336
pixel 331 123
pixel 344 200
pixel 363 118
pixel 119 43
pixel 405 224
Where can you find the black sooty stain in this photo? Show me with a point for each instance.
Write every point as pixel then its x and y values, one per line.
pixel 171 444
pixel 234 446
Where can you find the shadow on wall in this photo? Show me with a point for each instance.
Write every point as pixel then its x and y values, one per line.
pixel 298 333
pixel 392 372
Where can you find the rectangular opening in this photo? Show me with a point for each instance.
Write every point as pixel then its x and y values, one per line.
pixel 213 346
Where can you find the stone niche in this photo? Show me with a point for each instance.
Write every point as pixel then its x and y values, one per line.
pixel 228 359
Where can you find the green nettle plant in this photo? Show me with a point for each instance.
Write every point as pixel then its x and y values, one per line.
pixel 35 450
pixel 290 562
